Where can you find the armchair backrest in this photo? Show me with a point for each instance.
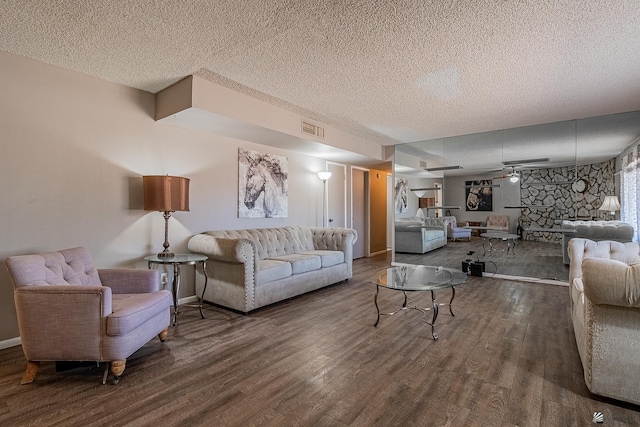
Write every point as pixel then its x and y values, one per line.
pixel 66 267
pixel 501 221
pixel 452 221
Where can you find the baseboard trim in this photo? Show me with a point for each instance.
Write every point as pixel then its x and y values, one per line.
pixel 11 342
pixel 527 279
pixel 379 252
pixel 189 300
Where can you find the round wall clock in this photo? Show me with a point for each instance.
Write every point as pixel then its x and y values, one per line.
pixel 580 186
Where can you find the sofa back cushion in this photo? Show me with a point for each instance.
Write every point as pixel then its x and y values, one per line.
pixel 66 267
pixel 273 242
pixel 600 230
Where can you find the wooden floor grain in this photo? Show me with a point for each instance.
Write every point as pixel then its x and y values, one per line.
pixel 506 358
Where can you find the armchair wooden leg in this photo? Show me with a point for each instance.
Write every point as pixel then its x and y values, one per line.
pixel 117 368
pixel 30 372
pixel 163 335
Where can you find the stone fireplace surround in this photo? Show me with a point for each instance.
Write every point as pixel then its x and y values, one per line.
pixel 560 201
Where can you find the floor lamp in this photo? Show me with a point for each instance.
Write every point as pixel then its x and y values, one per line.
pixel 166 194
pixel 324 176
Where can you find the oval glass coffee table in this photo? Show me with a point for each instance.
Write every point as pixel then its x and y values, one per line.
pixel 418 278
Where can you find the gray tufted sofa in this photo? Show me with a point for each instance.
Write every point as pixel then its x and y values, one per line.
pixel 420 235
pixel 616 231
pixel 252 268
pixel 605 310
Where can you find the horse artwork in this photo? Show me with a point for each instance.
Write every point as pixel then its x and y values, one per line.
pixel 263 188
pixel 479 195
pixel 400 195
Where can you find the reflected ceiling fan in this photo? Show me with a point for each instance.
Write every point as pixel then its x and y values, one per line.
pixel 514 176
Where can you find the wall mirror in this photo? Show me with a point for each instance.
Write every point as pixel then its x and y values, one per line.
pixel 531 177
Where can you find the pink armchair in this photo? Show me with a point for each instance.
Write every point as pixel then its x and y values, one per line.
pixel 498 222
pixel 70 311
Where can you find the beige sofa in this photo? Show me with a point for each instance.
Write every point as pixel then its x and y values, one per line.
pixel 420 235
pixel 252 268
pixel 605 310
pixel 617 231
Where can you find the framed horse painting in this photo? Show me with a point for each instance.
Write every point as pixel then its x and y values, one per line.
pixel 263 190
pixel 479 195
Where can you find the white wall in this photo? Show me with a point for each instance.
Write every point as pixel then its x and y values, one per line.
pixel 508 195
pixel 74 149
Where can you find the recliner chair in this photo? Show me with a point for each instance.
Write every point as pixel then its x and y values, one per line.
pixel 68 310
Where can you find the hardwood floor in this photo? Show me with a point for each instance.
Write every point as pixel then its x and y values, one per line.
pixel 542 260
pixel 506 358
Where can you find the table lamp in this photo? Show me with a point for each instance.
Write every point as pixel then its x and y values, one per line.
pixel 165 194
pixel 610 204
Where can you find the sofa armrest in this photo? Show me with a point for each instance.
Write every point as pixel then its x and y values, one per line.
pixel 224 248
pixel 611 282
pixel 130 281
pixel 335 239
pixel 58 322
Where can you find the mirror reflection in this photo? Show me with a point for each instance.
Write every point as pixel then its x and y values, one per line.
pixel 500 198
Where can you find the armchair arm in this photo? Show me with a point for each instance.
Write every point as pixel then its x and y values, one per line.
pixel 62 322
pixel 611 282
pixel 130 281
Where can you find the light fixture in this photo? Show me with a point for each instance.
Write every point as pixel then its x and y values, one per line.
pixel 514 178
pixel 525 161
pixel 165 194
pixel 324 176
pixel 610 204
pixel 442 168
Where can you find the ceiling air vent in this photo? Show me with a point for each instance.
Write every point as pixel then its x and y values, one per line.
pixel 423 164
pixel 314 130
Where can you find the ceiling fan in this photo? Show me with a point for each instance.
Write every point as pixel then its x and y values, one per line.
pixel 514 176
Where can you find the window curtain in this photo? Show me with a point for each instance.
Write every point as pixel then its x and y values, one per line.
pixel 630 189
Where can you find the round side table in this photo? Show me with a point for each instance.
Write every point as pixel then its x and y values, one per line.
pixel 176 261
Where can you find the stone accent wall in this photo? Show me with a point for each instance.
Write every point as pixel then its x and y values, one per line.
pixel 560 201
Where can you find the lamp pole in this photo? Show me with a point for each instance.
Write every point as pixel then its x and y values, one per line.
pixel 324 176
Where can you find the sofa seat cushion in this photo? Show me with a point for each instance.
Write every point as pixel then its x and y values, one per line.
pixel 328 258
pixel 271 269
pixel 300 263
pixel 130 311
pixel 430 235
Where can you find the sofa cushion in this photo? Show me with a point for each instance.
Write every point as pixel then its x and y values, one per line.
pixel 328 258
pixel 300 263
pixel 607 281
pixel 271 270
pixel 131 311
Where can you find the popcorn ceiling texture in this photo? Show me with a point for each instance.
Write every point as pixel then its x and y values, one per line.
pixel 391 72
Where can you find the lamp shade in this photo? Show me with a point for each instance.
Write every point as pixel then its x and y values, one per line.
pixel 610 204
pixel 165 193
pixel 324 175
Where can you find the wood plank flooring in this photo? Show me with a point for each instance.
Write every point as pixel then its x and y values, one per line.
pixel 542 260
pixel 506 358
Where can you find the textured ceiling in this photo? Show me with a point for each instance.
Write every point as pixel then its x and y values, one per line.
pixel 389 71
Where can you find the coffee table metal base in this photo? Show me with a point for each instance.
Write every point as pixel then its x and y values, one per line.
pixel 408 305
